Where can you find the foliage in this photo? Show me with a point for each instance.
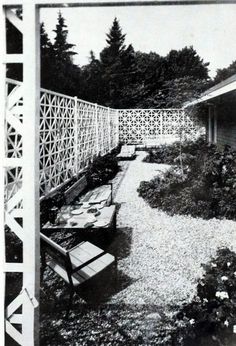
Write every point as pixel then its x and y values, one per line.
pixel 117 64
pixel 169 154
pixel 121 77
pixel 224 73
pixel 207 188
pixel 98 173
pixel 212 313
pixel 14 46
pixel 47 58
pixel 65 75
pixel 102 170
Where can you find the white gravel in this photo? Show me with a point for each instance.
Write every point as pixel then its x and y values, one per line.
pixel 166 251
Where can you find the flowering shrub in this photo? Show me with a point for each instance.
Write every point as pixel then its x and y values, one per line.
pixel 207 187
pixel 211 315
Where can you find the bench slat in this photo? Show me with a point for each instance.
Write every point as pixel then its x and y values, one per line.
pixel 97 195
pixel 79 255
pixel 85 273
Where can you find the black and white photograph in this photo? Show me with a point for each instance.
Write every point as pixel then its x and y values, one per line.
pixel 118 172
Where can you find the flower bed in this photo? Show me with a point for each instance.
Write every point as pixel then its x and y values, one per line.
pixel 204 187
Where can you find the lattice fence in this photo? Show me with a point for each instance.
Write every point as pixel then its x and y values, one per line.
pixel 72 132
pixel 157 126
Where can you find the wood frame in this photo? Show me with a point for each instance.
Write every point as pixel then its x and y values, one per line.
pixel 23 204
pixel 116 3
pixel 30 215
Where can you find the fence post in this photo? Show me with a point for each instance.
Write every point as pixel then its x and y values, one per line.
pixel 109 128
pixel 76 135
pixel 96 129
pixel 161 126
pixel 117 127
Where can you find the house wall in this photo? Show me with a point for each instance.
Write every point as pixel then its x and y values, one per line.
pixel 226 125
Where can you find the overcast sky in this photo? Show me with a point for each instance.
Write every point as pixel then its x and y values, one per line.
pixel 210 29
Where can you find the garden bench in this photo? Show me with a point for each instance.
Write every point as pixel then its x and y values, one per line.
pixel 76 265
pixel 127 152
pixel 98 195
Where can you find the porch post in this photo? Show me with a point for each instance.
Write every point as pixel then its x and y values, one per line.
pixel 215 124
pixel 209 124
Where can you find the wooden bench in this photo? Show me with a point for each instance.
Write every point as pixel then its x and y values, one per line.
pixel 77 265
pixel 101 194
pixel 127 152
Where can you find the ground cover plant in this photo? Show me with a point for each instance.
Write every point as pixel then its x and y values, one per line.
pixel 205 187
pixel 210 319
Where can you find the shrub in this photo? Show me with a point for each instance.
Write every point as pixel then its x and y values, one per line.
pixel 212 313
pixel 102 170
pixel 207 187
pixel 170 154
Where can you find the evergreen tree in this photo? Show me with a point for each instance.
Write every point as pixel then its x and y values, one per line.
pixel 115 40
pixel 65 73
pixel 92 82
pixel 61 47
pixel 117 64
pixel 14 46
pixel 47 59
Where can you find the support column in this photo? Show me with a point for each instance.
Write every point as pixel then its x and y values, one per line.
pixel 2 170
pixel 209 124
pixel 215 124
pixel 31 251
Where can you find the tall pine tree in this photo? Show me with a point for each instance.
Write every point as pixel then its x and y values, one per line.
pixel 47 59
pixel 117 63
pixel 65 74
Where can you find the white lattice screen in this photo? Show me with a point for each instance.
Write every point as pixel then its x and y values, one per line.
pixel 157 125
pixel 72 132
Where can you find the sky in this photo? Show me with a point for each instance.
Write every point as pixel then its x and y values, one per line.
pixel 210 29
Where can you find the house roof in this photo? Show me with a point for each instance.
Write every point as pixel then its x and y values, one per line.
pixel 226 86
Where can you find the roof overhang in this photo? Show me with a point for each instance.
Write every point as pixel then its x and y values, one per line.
pixel 223 88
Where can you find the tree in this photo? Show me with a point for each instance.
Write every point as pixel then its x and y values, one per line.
pixel 185 63
pixel 117 63
pixel 14 46
pixel 115 40
pixel 47 59
pixel 92 82
pixel 224 73
pixel 65 73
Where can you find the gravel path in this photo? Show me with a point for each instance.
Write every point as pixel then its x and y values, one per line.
pixel 166 252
